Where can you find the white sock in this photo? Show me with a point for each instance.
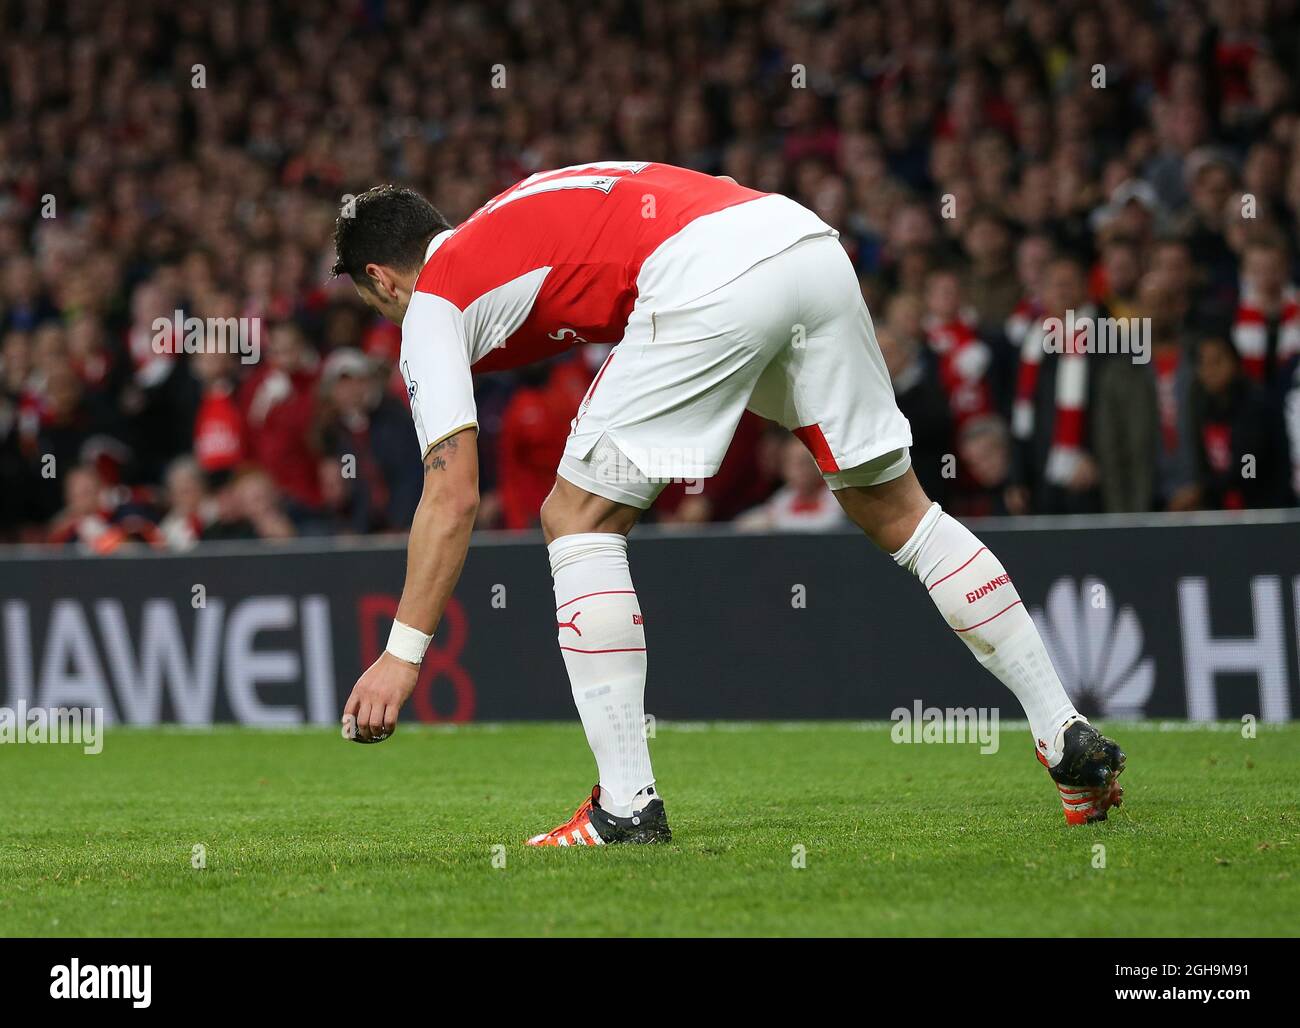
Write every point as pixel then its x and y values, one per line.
pixel 974 594
pixel 602 639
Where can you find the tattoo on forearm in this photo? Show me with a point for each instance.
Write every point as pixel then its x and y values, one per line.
pixel 435 459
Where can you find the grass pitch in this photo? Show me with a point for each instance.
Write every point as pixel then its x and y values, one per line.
pixel 306 834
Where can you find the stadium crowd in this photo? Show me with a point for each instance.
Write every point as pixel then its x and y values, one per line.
pixel 987 163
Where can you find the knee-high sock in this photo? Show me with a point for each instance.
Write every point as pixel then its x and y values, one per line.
pixel 971 588
pixel 602 639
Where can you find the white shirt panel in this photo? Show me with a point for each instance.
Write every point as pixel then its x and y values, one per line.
pixel 435 365
pixel 493 317
pixel 716 248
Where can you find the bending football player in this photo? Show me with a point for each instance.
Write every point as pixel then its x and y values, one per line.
pixel 720 299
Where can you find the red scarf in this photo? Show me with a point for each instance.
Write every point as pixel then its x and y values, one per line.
pixel 1021 320
pixel 1071 396
pixel 1250 333
pixel 963 361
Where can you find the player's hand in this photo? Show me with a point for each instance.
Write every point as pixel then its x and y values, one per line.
pixel 370 714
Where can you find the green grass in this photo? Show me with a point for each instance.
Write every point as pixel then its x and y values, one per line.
pixel 309 835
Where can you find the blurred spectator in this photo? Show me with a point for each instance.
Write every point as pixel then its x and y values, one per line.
pixel 1266 331
pixel 192 508
pixel 371 445
pixel 248 507
pixel 804 503
pixel 1126 432
pixel 219 443
pixel 1033 255
pixel 1054 471
pixel 1162 300
pixel 990 282
pixel 920 396
pixel 1119 273
pixel 963 358
pixel 1211 177
pixel 984 467
pixel 278 403
pixel 1241 454
pixel 83 518
pixel 534 427
pixel 96 519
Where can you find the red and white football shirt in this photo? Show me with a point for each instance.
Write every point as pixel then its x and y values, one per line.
pixel 561 258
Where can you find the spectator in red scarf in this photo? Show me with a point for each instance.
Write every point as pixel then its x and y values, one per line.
pixel 1266 329
pixel 963 358
pixel 1053 470
pixel 1033 255
pixel 83 518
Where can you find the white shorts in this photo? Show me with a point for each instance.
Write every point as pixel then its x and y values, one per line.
pixel 789 339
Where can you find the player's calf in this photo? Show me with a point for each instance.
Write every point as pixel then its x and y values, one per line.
pixel 601 635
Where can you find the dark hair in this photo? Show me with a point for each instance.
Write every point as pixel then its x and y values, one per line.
pixel 389 225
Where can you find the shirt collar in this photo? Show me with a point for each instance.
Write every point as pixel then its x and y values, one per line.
pixel 436 242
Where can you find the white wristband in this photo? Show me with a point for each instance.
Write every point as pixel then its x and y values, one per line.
pixel 407 643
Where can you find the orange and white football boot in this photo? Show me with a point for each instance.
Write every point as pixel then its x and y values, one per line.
pixel 592 826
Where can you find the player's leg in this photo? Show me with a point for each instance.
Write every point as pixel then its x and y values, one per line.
pixel 602 640
pixel 976 597
pixel 664 406
pixel 834 392
pixel 966 582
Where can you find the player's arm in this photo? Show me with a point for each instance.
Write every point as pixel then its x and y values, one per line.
pixel 435 365
pixel 440 531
